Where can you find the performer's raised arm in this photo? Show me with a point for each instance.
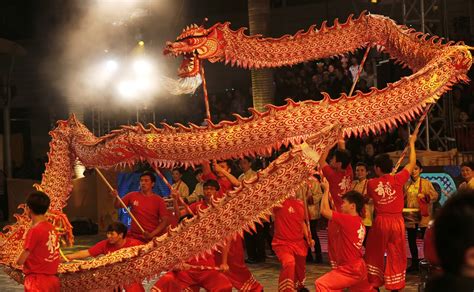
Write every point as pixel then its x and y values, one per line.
pixel 412 158
pixel 325 208
pixel 324 157
pixel 341 143
pixel 206 168
pixel 218 167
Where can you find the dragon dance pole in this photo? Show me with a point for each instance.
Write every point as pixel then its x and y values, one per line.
pixel 158 172
pixel 204 89
pixel 361 67
pixel 306 216
pixel 120 199
pixel 397 165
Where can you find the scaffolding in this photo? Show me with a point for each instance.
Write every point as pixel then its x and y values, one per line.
pixel 102 122
pixel 429 16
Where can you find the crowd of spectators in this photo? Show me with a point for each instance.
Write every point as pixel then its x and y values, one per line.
pixel 333 76
pixel 308 81
pixel 463 114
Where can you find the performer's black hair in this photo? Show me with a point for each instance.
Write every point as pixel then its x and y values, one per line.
pixel 469 164
pixel 354 197
pixel 384 162
pixel 150 174
pixel 178 169
pixel 211 183
pixel 363 164
pixel 118 227
pixel 418 163
pixel 343 156
pixel 38 202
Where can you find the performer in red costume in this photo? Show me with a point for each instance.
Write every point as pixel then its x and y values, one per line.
pixel 40 256
pixel 239 274
pixel 116 239
pixel 349 233
pixel 339 175
pixel 388 231
pixel 148 207
pixel 188 276
pixel 222 175
pixel 290 245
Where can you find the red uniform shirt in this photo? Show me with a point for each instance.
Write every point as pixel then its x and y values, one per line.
pixel 348 236
pixel 198 205
pixel 104 247
pixel 340 182
pixel 224 184
pixel 42 243
pixel 387 192
pixel 289 220
pixel 147 209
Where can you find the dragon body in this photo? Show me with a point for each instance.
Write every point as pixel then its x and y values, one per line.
pixel 436 67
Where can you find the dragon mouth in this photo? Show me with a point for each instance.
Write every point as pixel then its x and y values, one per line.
pixel 190 65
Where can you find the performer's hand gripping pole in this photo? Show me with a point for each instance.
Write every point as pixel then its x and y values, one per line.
pixel 417 127
pixel 118 198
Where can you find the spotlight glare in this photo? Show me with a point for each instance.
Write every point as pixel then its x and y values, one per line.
pixel 111 66
pixel 142 67
pixel 127 89
pixel 141 43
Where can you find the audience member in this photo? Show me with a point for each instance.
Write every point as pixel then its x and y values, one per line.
pixel 454 242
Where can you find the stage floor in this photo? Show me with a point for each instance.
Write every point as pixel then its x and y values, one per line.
pixel 266 273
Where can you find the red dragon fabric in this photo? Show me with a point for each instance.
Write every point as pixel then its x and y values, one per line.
pixel 436 67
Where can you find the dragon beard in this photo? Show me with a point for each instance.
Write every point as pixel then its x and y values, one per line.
pixel 436 65
pixel 186 85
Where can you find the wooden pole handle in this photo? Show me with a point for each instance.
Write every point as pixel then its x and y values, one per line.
pixel 306 214
pixel 171 189
pixel 119 199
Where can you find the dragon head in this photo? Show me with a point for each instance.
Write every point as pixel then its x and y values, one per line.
pixel 196 43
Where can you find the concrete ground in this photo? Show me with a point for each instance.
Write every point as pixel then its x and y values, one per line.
pixel 266 273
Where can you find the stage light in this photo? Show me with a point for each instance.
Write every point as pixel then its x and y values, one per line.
pixel 141 43
pixel 142 67
pixel 127 89
pixel 111 66
pixel 374 1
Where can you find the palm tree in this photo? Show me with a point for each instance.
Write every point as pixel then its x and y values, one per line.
pixel 262 79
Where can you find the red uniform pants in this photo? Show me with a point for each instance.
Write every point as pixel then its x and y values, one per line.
pixel 350 275
pixel 210 280
pixel 387 235
pixel 41 283
pixel 238 274
pixel 293 268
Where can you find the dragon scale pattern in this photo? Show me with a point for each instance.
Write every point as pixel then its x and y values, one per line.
pixel 436 67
